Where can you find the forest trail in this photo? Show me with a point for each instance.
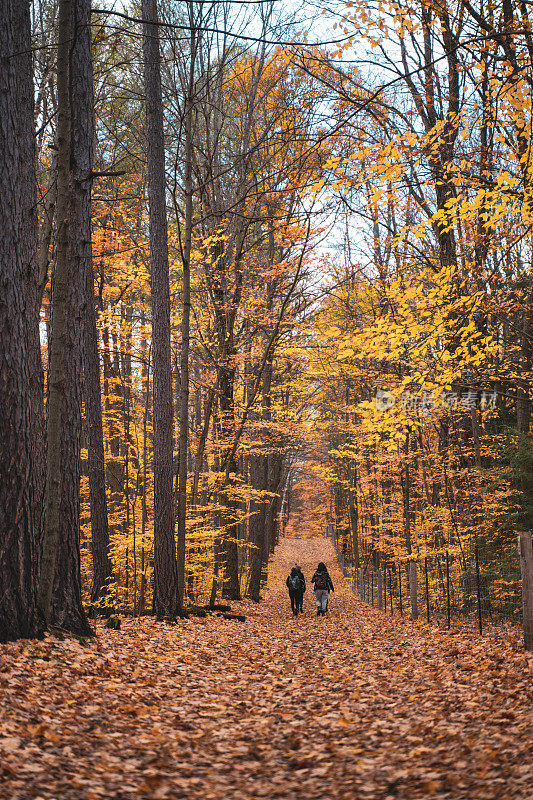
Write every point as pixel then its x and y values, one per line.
pixel 354 705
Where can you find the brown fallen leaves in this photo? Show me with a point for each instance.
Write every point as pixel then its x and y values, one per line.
pixel 355 705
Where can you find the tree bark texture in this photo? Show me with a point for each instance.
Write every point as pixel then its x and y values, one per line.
pixel 186 246
pixel 231 589
pixel 18 327
pixel 353 512
pixel 405 479
pixel 67 610
pixel 523 401
pixel 275 471
pixel 102 567
pixel 167 602
pixel 57 341
pixel 257 530
pixel 81 260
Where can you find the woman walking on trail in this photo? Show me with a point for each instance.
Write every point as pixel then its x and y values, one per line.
pixel 322 585
pixel 301 595
pixel 296 586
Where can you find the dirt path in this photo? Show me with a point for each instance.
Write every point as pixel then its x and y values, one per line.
pixel 354 705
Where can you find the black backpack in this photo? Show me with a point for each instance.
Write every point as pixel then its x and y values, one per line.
pixel 321 580
pixel 295 584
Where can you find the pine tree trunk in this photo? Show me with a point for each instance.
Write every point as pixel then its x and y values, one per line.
pixel 56 345
pixel 18 326
pixel 185 320
pixel 31 262
pixel 167 602
pixel 67 610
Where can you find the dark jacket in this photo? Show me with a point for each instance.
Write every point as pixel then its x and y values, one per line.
pixel 330 582
pixel 301 588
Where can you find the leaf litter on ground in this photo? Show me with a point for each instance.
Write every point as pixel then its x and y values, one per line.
pixel 357 704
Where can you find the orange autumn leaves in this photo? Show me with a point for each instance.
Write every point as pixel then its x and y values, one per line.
pixel 359 703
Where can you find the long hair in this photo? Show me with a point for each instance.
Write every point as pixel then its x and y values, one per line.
pixel 321 567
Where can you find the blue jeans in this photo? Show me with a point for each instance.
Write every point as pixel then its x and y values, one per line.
pixel 322 597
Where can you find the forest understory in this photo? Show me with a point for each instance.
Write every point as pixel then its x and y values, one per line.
pixel 356 704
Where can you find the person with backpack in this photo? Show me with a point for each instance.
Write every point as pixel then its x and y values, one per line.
pixel 322 585
pixel 296 587
pixel 302 592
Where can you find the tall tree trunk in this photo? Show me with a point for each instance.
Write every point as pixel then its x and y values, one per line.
pixel 145 383
pixel 19 502
pixel 102 567
pixel 275 465
pixel 258 480
pixel 405 480
pixel 167 602
pixel 186 245
pixel 266 468
pixel 84 138
pixel 56 346
pixel 273 460
pixel 231 585
pixel 523 400
pixel 67 610
pixel 353 512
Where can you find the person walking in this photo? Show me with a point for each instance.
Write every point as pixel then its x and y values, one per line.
pixel 300 596
pixel 296 584
pixel 322 585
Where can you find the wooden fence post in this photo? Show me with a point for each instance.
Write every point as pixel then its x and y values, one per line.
pixel 413 588
pixel 525 548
